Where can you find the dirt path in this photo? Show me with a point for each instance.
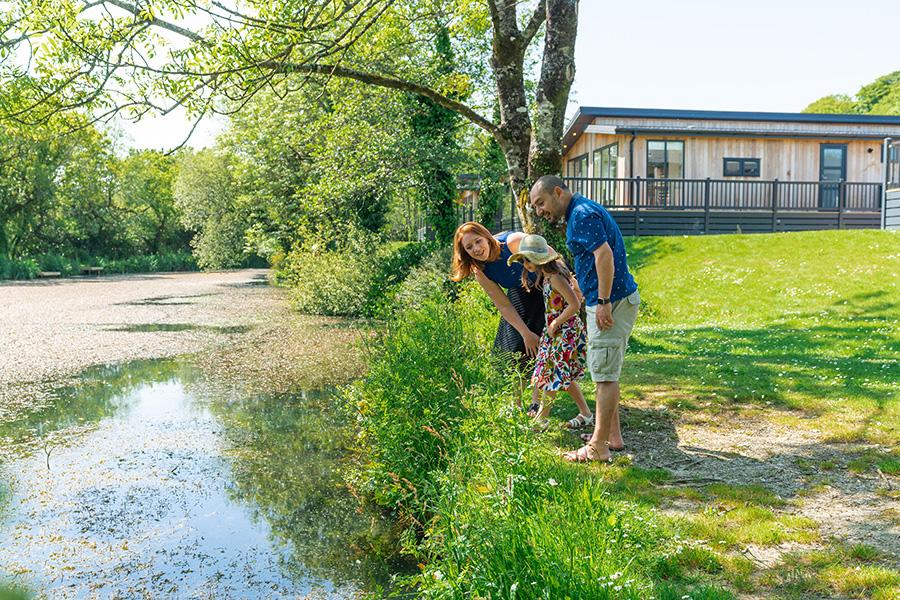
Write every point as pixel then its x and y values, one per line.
pixel 798 465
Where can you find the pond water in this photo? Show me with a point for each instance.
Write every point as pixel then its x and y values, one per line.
pixel 150 480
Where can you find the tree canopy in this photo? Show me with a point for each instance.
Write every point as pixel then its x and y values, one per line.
pixel 109 56
pixel 881 97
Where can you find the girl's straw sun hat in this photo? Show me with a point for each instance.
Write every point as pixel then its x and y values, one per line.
pixel 534 249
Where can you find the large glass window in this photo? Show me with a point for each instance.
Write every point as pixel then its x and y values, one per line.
pixel 665 159
pixel 578 166
pixel 606 168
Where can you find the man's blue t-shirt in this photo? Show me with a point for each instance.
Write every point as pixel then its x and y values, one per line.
pixel 588 226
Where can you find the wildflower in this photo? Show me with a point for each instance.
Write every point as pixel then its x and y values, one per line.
pixel 438 575
pixel 552 482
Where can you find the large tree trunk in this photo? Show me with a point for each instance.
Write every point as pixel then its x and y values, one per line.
pixel 514 131
pixel 533 149
pixel 557 73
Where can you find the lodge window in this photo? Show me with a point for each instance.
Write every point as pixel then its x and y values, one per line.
pixel 578 166
pixel 665 159
pixel 606 167
pixel 741 167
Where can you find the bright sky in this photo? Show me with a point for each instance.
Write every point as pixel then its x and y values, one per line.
pixel 765 55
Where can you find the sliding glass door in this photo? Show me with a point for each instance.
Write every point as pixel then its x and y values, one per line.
pixel 665 160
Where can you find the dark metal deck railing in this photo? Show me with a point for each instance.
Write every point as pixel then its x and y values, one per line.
pixel 719 194
pixel 649 203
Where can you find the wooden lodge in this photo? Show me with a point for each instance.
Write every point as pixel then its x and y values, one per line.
pixel 669 172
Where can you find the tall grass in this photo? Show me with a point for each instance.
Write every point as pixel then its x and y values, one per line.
pixel 492 510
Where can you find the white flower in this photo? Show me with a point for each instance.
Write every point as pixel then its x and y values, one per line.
pixel 552 482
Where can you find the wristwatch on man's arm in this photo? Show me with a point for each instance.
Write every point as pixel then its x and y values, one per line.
pixel 603 301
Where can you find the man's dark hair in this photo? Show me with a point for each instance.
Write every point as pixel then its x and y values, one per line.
pixel 548 182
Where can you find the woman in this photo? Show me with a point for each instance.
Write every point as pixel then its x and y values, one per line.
pixel 477 252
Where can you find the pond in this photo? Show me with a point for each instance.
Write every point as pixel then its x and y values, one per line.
pixel 149 479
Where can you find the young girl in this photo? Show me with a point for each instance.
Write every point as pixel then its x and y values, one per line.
pixel 560 359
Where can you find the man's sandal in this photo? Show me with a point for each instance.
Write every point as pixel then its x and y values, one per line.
pixel 586 437
pixel 579 421
pixel 583 455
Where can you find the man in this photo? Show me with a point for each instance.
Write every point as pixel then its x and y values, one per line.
pixel 610 296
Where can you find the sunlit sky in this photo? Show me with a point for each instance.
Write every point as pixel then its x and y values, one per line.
pixel 766 55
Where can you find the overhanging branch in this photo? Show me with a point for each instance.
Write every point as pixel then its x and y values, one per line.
pixel 157 22
pixel 388 82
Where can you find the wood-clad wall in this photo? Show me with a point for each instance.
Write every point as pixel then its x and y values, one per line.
pixel 784 159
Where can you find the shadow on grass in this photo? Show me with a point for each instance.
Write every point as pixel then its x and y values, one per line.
pixel 842 359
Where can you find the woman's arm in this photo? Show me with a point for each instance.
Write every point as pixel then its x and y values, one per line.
pixel 573 303
pixel 508 312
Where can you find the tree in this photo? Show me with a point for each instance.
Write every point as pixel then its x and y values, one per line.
pixel 321 162
pixel 836 104
pixel 881 97
pixel 145 196
pixel 436 149
pixel 208 195
pixel 105 55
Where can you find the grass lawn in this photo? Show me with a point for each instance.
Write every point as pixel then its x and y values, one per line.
pixel 801 321
pixel 760 408
pixel 800 331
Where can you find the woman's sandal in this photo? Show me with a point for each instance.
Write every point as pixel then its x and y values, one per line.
pixel 582 455
pixel 579 421
pixel 586 437
pixel 533 409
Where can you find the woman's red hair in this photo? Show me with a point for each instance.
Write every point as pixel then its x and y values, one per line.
pixel 462 264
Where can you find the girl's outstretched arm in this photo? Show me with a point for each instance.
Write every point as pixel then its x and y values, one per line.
pixel 562 286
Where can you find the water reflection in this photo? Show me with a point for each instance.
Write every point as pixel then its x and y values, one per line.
pixel 285 450
pixel 148 479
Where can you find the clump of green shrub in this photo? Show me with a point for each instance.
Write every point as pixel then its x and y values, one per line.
pixel 149 263
pixel 27 268
pixel 355 277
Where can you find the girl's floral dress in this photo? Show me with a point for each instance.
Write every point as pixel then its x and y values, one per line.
pixel 561 358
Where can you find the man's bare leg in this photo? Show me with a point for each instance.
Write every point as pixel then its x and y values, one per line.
pixel 607 413
pixel 615 428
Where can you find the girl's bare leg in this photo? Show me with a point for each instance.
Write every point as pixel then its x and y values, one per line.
pixel 577 395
